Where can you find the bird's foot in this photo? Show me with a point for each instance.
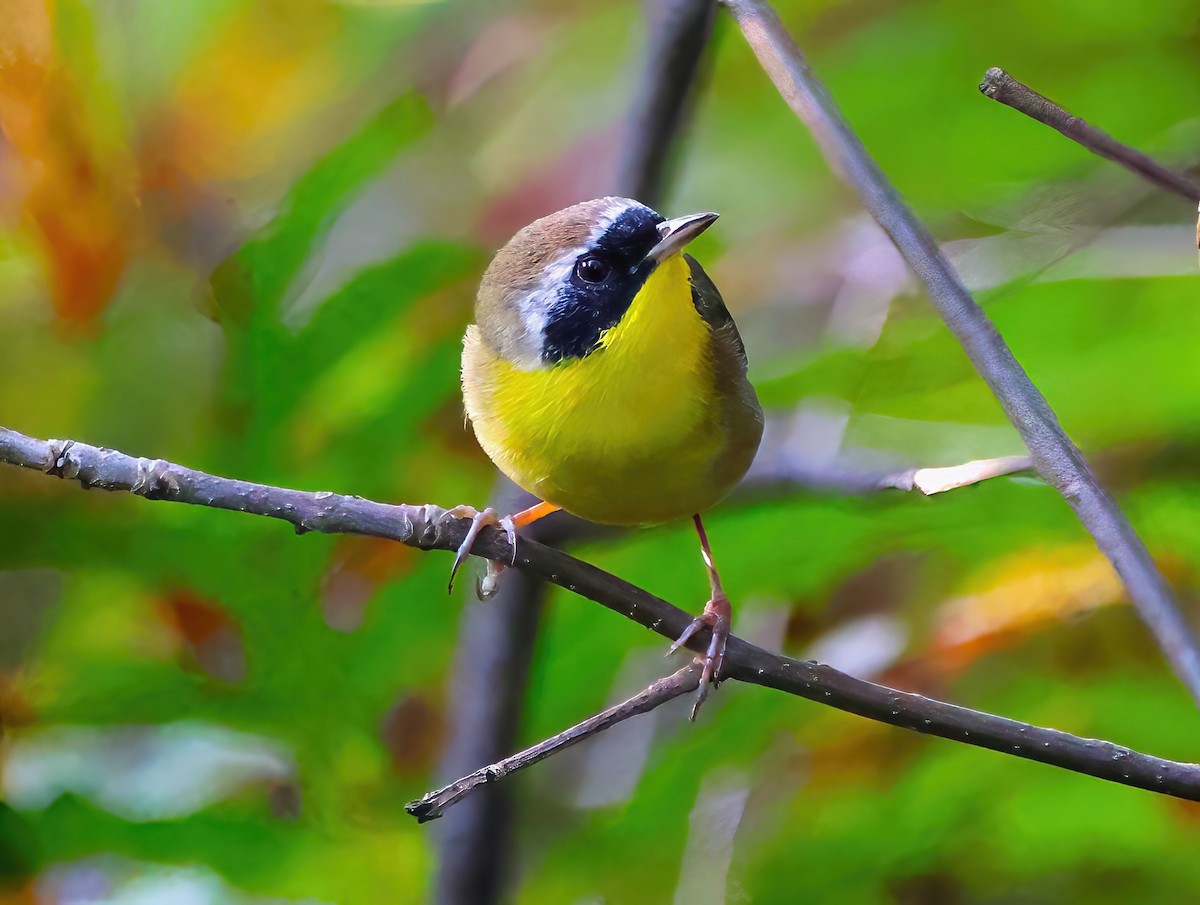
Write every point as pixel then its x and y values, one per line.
pixel 718 616
pixel 480 520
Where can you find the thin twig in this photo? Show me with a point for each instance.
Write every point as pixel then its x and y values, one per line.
pixel 433 804
pixel 1057 459
pixel 776 470
pixel 951 477
pixel 1000 86
pixel 429 528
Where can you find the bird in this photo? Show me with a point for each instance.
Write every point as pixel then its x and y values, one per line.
pixel 604 375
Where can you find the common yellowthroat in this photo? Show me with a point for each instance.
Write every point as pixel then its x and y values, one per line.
pixel 605 375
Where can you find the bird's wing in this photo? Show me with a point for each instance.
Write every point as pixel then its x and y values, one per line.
pixel 707 299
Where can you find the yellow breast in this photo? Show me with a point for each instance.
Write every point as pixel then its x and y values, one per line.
pixel 627 435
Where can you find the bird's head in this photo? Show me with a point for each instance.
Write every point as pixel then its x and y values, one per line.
pixel 563 280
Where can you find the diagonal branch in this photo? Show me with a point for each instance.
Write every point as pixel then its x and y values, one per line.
pixel 429 528
pixel 1056 457
pixel 1000 86
pixel 432 805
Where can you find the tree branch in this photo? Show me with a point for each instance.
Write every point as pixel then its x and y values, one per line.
pixel 433 804
pixel 679 33
pixel 429 528
pixel 1057 459
pixel 1000 86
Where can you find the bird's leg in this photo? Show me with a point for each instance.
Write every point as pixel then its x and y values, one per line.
pixel 479 521
pixel 717 615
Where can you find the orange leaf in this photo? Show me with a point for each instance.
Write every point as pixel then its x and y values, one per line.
pixel 71 197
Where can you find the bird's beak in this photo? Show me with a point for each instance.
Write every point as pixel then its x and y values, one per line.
pixel 675 234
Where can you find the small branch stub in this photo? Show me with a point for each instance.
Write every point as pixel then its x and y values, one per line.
pixel 1000 86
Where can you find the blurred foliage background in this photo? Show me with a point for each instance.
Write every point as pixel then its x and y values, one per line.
pixel 244 235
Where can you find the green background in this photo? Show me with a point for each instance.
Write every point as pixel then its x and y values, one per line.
pixel 300 198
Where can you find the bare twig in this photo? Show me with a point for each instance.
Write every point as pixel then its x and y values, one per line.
pixel 1057 459
pixel 435 803
pixel 950 477
pixel 1000 86
pixel 775 470
pixel 428 528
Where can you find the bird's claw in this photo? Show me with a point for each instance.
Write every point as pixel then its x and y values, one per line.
pixel 479 521
pixel 717 616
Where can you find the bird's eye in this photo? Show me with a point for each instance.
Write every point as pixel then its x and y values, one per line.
pixel 592 269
